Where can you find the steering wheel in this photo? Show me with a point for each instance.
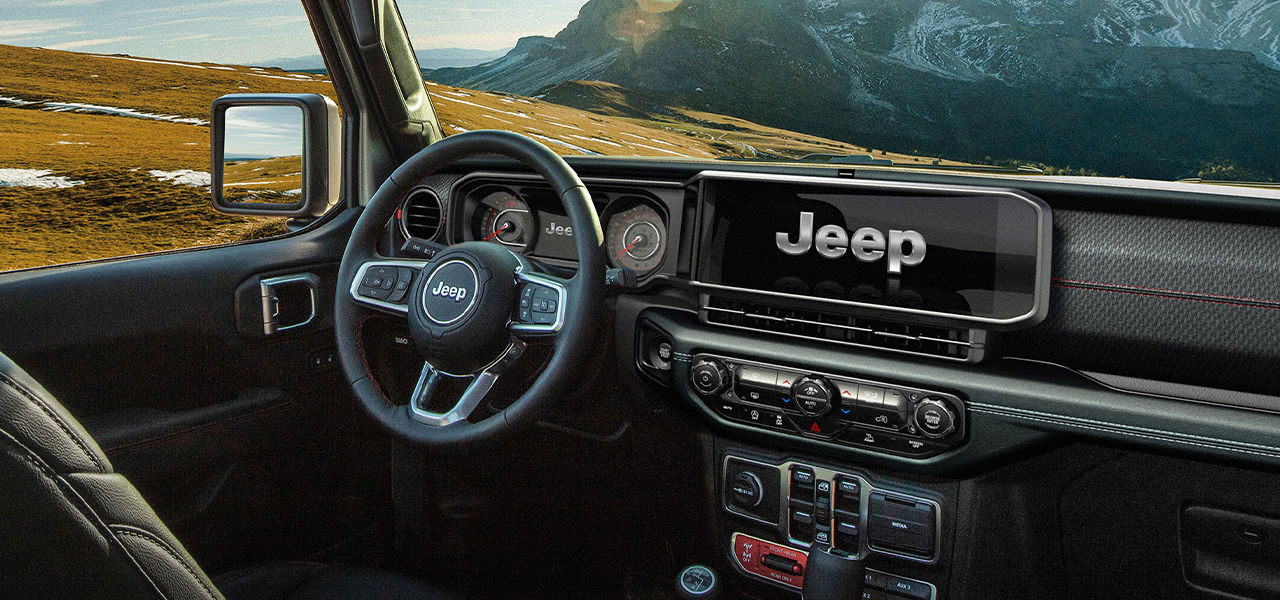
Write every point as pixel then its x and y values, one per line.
pixel 471 307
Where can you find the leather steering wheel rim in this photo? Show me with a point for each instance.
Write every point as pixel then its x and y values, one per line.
pixel 584 292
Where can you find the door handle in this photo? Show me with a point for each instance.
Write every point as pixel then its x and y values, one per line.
pixel 288 301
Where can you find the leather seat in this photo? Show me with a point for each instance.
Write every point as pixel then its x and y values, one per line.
pixel 72 528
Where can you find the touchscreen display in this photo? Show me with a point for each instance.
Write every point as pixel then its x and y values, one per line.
pixel 965 256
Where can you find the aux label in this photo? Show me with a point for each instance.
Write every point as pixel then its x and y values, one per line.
pixel 448 291
pixel 867 244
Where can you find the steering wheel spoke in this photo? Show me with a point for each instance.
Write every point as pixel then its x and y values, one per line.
pixel 540 305
pixel 475 393
pixel 386 284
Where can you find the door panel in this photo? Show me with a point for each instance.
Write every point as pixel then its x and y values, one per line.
pixel 244 446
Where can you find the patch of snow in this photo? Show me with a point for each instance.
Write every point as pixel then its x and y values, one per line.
pixel 293 192
pixel 14 101
pixel 36 178
pixel 66 143
pixel 185 177
pixel 123 112
pixel 557 142
pixel 497 110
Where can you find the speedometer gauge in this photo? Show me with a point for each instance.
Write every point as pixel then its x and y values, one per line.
pixel 508 222
pixel 637 239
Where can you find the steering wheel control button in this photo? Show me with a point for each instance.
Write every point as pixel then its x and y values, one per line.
pixel 709 377
pixel 377 283
pixel 812 395
pixel 747 491
pixel 697 581
pixel 403 282
pixel 934 418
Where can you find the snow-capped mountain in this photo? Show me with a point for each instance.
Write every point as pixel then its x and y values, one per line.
pixel 1133 87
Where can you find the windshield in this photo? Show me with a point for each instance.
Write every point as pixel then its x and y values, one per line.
pixel 1149 89
pixel 1119 88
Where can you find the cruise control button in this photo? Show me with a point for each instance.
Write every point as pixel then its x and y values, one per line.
pixel 373 292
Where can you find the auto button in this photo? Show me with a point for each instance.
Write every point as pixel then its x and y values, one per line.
pixel 812 395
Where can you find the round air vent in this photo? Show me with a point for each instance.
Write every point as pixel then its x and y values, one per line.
pixel 421 215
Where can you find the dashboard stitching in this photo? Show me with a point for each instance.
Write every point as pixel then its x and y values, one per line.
pixel 1167 296
pixel 1138 435
pixel 992 407
pixel 1171 291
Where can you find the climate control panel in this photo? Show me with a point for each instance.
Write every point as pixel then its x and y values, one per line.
pixel 883 417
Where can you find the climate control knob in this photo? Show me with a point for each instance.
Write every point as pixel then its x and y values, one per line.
pixel 813 395
pixel 709 376
pixel 934 418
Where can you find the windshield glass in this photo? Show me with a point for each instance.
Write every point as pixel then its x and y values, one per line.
pixel 1120 88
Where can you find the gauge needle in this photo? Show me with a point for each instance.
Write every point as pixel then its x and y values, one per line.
pixel 499 230
pixel 628 248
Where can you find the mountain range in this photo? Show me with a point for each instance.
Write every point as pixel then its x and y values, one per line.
pixel 1147 88
pixel 432 58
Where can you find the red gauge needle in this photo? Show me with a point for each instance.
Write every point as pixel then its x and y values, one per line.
pixel 499 230
pixel 629 247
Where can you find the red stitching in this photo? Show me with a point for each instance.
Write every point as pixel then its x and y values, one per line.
pixel 1138 287
pixel 1132 293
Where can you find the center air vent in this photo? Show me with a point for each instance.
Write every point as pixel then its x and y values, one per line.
pixel 941 342
pixel 421 215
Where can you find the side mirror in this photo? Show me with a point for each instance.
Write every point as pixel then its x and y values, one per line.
pixel 275 155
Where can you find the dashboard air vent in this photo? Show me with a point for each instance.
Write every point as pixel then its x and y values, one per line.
pixel 422 214
pixel 940 342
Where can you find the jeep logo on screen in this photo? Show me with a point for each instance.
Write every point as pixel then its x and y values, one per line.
pixel 904 248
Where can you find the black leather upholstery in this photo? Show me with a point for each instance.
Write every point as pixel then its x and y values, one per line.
pixel 313 581
pixel 71 528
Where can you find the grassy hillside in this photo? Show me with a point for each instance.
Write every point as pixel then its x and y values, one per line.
pixel 277 180
pixel 121 146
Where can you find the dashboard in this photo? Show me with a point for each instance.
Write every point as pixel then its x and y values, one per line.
pixel 854 343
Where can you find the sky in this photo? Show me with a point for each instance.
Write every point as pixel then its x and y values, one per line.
pixel 250 31
pixel 263 131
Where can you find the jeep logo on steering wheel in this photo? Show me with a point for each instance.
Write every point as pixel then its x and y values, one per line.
pixel 450 292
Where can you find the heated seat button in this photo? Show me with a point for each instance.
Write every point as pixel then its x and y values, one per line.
pixel 847 537
pixel 801 524
pixel 848 495
pixel 802 483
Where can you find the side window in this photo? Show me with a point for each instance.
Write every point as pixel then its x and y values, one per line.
pixel 104 121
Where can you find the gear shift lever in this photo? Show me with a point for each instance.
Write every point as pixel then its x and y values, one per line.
pixel 830 576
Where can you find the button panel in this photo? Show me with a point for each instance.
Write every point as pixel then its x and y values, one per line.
pixel 893 419
pixel 820 507
pixel 786 565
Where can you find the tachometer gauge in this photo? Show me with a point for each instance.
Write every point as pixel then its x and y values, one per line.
pixel 508 222
pixel 637 239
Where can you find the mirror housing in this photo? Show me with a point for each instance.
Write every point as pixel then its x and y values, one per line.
pixel 321 159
